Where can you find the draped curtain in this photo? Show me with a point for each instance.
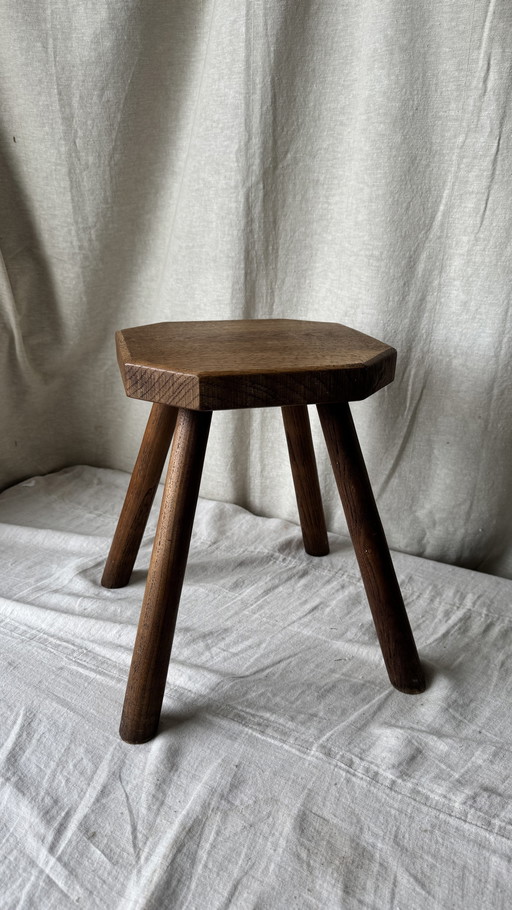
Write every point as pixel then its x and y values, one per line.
pixel 339 161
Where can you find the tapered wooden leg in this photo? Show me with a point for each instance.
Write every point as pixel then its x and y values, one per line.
pixel 139 497
pixel 152 650
pixel 305 479
pixel 393 629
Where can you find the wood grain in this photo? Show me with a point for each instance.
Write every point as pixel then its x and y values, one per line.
pixel 251 363
pixel 370 545
pixel 305 478
pixel 139 497
pixel 204 366
pixel 151 653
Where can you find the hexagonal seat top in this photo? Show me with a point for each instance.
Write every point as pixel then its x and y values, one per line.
pixel 248 363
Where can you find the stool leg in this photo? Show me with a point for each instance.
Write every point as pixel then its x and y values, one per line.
pixel 139 497
pixel 384 596
pixel 305 479
pixel 152 650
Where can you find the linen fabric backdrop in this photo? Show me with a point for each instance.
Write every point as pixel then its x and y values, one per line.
pixel 337 161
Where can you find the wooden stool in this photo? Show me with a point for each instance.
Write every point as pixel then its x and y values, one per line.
pixel 188 370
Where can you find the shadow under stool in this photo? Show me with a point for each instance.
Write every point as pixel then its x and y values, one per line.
pixel 190 369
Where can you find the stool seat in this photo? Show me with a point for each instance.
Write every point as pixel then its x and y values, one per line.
pixel 251 363
pixel 190 369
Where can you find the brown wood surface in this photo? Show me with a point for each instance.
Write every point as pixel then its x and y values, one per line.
pixel 305 478
pixel 139 497
pixel 251 363
pixel 151 653
pixel 382 589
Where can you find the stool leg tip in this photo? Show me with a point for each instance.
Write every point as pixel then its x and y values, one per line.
pixel 414 685
pixel 317 550
pixel 136 736
pixel 113 578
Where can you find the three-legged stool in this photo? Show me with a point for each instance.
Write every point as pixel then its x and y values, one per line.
pixel 190 369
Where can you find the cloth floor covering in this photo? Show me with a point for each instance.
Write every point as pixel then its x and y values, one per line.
pixel 287 771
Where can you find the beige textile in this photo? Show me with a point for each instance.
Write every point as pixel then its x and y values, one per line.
pixel 340 161
pixel 288 773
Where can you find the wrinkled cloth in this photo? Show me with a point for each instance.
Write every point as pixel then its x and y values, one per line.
pixel 287 771
pixel 341 161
